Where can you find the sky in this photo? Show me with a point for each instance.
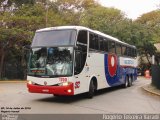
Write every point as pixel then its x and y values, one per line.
pixel 132 8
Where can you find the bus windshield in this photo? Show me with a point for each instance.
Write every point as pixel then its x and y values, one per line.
pixel 54 38
pixel 51 61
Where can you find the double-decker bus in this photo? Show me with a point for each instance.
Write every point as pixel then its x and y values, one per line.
pixel 69 60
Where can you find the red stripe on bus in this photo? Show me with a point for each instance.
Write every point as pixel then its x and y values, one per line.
pixel 58 90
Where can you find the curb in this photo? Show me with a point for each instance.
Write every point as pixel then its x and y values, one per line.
pixel 145 88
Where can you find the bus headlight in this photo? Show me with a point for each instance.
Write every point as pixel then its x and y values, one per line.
pixel 69 90
pixel 30 82
pixel 64 83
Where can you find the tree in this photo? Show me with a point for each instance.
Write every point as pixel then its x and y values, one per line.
pixel 151 23
pixel 17 2
pixel 102 19
pixel 9 39
pixel 17 28
pixel 71 10
pixel 152 20
pixel 19 19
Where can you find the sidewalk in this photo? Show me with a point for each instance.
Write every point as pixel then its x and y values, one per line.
pixel 151 89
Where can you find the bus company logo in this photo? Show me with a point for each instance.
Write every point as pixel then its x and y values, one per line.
pixel 77 84
pixel 112 64
pixel 45 83
pixel 129 62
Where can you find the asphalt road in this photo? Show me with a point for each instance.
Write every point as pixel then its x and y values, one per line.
pixel 112 100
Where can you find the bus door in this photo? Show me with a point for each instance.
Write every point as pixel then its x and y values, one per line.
pixel 80 68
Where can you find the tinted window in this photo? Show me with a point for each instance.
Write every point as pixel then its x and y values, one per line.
pixel 96 42
pixel 124 50
pixel 80 59
pixel 111 46
pixel 118 49
pixel 82 37
pixel 54 38
pixel 105 45
pixel 129 51
pixel 135 53
pixel 91 41
pixel 101 44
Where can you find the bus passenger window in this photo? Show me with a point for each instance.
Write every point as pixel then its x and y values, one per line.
pixel 91 41
pixel 135 53
pixel 111 46
pixel 124 50
pixel 82 37
pixel 105 45
pixel 101 44
pixel 129 51
pixel 132 52
pixel 96 42
pixel 118 49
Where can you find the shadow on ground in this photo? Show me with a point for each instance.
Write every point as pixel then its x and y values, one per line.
pixel 71 99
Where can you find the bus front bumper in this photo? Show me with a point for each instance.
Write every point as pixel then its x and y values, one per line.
pixel 56 90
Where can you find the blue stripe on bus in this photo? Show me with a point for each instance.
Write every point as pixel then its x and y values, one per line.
pixel 121 72
pixel 111 80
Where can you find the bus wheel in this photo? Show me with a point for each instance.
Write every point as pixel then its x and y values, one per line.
pixel 129 81
pixel 126 82
pixel 90 93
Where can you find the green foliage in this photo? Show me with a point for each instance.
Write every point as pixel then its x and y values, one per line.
pixel 152 21
pixel 102 19
pixel 150 33
pixel 17 25
pixel 19 2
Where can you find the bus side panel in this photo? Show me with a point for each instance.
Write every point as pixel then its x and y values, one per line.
pixel 109 70
pixel 129 66
pixel 94 67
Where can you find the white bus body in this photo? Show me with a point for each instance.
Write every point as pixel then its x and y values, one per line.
pixel 91 66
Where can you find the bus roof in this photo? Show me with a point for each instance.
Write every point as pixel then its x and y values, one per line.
pixel 84 28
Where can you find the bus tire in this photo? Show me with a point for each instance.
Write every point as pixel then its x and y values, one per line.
pixel 125 85
pixel 90 93
pixel 129 81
